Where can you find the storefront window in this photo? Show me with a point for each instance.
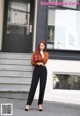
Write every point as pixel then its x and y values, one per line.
pixel 18 17
pixel 65 81
pixel 63 26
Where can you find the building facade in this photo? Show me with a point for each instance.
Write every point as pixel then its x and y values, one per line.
pixel 24 23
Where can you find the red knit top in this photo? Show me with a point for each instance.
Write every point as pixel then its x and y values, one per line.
pixel 39 58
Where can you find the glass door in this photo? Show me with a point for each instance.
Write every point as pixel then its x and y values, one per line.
pixel 17 32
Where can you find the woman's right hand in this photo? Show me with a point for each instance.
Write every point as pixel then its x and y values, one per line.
pixel 42 53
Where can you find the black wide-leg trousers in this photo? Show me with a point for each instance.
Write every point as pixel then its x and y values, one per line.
pixel 39 72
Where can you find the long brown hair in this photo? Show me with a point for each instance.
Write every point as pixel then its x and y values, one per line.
pixel 38 47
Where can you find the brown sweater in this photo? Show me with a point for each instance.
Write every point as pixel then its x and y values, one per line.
pixel 40 59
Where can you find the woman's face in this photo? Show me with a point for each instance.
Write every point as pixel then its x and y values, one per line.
pixel 42 46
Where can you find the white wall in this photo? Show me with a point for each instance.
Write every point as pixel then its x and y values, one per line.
pixel 61 67
pixel 1 20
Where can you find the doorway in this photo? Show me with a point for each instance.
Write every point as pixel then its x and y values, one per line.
pixel 18 26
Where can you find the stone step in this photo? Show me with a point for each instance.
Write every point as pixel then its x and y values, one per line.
pixel 15 55
pixel 15 73
pixel 15 68
pixel 16 76
pixel 14 87
pixel 18 80
pixel 15 62
pixel 14 94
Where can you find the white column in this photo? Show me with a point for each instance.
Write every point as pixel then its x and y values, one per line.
pixel 1 20
pixel 35 23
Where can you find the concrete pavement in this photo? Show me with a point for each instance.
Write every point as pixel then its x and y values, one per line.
pixel 49 108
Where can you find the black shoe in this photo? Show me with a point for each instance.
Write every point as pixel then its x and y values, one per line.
pixel 40 110
pixel 26 109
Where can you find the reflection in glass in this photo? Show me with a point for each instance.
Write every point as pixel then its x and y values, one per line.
pixel 18 17
pixel 64 81
pixel 63 29
pixel 50 40
pixel 50 33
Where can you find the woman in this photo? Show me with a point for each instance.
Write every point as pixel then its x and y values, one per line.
pixel 38 60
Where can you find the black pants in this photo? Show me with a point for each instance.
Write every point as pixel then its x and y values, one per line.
pixel 39 72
